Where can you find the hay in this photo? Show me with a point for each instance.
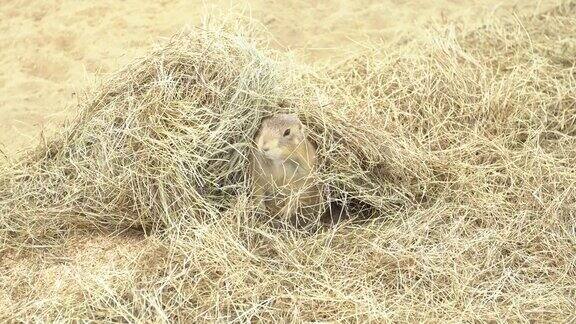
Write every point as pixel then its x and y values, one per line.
pixel 163 140
pixel 460 149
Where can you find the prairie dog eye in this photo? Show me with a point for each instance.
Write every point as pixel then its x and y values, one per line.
pixel 287 132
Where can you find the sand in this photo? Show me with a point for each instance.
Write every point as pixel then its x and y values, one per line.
pixel 52 50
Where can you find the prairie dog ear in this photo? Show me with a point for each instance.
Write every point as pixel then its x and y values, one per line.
pixel 301 124
pixel 263 124
pixel 264 120
pixel 302 131
pixel 260 128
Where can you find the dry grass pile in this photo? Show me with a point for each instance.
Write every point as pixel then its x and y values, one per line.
pixel 461 146
pixel 163 140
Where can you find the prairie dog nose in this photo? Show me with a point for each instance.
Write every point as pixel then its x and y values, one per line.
pixel 269 145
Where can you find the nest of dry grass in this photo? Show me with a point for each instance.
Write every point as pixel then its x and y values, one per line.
pixel 459 149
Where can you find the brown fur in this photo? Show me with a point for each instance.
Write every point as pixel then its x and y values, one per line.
pixel 281 168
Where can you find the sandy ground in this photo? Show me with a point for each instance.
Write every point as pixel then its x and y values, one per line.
pixel 51 50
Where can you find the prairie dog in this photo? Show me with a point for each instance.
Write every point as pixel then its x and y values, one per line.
pixel 281 166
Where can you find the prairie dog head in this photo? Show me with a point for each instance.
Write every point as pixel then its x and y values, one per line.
pixel 279 136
